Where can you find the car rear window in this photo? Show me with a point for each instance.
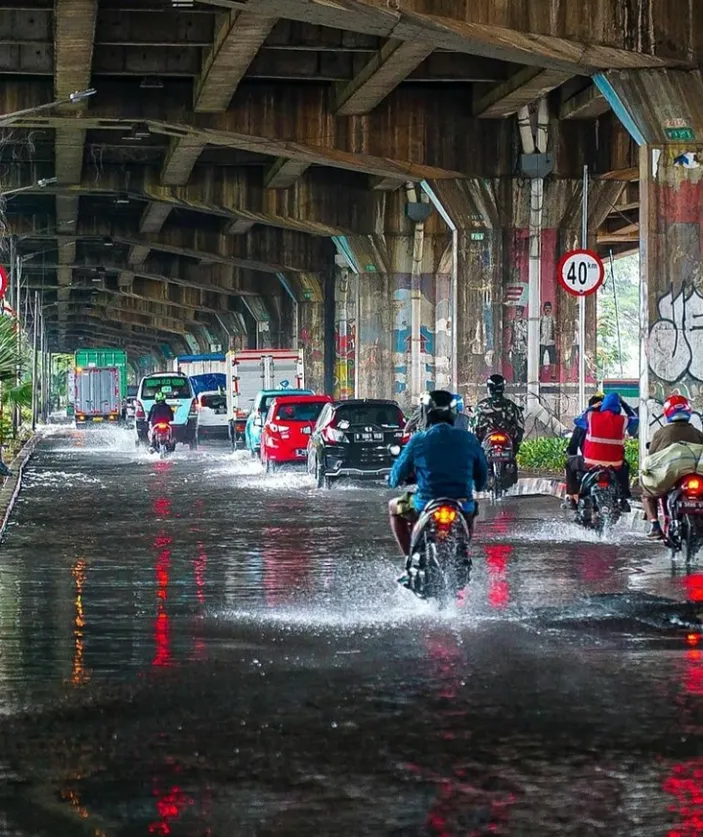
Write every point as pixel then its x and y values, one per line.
pixel 381 415
pixel 305 411
pixel 176 387
pixel 214 402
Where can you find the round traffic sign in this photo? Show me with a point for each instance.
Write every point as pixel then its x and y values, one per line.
pixel 4 281
pixel 581 272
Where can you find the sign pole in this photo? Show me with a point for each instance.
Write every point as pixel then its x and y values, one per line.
pixel 582 299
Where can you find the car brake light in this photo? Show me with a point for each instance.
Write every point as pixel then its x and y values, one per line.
pixel 693 486
pixel 193 407
pixel 139 410
pixel 333 435
pixel 444 515
pixel 405 438
pixel 202 403
pixel 273 427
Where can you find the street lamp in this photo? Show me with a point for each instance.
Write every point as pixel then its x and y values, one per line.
pixel 42 183
pixel 72 99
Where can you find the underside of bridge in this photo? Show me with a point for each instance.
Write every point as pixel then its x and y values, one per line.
pixel 351 176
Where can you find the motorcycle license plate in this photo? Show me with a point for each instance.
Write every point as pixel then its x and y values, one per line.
pixel 301 452
pixel 98 418
pixel 500 455
pixel 692 505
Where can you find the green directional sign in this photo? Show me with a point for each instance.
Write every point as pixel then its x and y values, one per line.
pixel 680 134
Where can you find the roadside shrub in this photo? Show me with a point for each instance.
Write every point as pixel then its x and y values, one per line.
pixel 548 455
pixel 543 454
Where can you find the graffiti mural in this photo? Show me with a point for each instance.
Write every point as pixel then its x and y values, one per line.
pixel 676 338
pixel 344 368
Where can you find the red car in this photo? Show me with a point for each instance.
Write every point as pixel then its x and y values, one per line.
pixel 287 428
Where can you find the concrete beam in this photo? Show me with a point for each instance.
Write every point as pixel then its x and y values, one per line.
pixel 588 104
pixel 283 173
pixel 527 85
pixel 532 33
pixel 237 41
pixel 238 226
pixel 182 156
pixel 383 73
pixel 153 217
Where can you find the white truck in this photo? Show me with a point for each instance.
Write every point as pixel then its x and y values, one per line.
pixel 97 395
pixel 207 375
pixel 251 370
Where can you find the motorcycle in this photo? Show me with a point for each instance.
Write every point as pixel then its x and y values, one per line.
pixel 502 466
pixel 599 500
pixel 683 517
pixel 162 439
pixel 439 563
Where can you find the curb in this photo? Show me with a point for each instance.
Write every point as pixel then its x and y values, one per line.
pixel 11 489
pixel 557 488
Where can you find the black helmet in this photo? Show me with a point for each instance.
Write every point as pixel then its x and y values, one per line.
pixel 495 385
pixel 439 406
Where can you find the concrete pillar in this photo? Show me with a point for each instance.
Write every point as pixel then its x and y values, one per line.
pixel 377 304
pixel 311 340
pixel 493 272
pixel 660 110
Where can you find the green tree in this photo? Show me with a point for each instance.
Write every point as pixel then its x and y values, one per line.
pixel 617 335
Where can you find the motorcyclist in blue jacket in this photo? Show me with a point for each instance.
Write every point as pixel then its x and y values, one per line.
pixel 445 461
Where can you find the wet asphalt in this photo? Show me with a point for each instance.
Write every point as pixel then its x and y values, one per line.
pixel 191 648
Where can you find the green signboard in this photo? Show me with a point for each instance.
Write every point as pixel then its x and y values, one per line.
pixel 680 134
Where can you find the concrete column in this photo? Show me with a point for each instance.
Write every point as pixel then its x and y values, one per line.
pixel 660 110
pixel 311 340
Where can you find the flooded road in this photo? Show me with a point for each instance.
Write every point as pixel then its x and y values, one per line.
pixel 191 648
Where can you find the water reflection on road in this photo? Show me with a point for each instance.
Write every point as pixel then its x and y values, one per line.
pixel 192 648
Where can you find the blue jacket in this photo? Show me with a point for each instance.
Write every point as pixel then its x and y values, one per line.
pixel 612 403
pixel 446 461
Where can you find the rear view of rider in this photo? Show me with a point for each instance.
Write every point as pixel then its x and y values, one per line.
pixel 498 413
pixel 161 412
pixel 446 462
pixel 606 429
pixel 677 411
pixel 574 454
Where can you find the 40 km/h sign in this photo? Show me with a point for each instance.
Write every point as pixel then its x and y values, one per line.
pixel 581 272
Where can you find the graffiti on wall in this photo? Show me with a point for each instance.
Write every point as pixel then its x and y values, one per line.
pixel 676 337
pixel 344 368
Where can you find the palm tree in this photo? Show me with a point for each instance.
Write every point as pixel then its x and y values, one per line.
pixel 13 395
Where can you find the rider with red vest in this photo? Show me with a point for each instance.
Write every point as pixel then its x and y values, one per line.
pixel 607 427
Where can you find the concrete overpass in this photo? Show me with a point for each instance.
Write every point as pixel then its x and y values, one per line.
pixel 259 172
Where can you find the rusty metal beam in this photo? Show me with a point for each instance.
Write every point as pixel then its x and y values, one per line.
pixel 383 73
pixel 526 86
pixel 283 173
pixel 588 104
pixel 237 41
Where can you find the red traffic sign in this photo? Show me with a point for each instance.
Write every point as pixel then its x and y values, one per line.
pixel 581 272
pixel 4 281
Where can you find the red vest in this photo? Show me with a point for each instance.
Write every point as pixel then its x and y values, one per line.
pixel 605 438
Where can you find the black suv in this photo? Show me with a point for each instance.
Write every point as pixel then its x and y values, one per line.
pixel 360 438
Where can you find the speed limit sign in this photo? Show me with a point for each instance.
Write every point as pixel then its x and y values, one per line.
pixel 581 272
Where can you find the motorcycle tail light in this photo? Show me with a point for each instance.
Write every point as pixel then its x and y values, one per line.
pixel 162 426
pixel 444 515
pixel 692 486
pixel 603 480
pixel 498 438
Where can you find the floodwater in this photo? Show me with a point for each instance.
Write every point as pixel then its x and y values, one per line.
pixel 191 648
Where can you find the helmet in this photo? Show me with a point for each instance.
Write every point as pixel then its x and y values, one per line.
pixel 159 397
pixel 439 406
pixel 677 408
pixel 596 398
pixel 459 402
pixel 495 385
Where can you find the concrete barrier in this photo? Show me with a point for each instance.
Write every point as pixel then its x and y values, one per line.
pixel 13 484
